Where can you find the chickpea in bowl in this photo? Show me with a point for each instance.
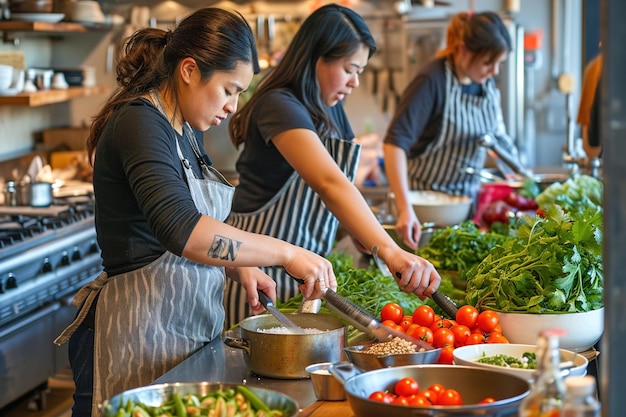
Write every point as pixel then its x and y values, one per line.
pixel 396 352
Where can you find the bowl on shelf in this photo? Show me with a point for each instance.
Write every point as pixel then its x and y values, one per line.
pixel 6 76
pixel 470 354
pixel 31 6
pixel 440 208
pixel 582 330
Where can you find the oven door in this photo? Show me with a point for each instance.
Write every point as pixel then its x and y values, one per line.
pixel 27 354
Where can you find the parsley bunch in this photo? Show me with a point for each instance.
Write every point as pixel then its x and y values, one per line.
pixel 553 266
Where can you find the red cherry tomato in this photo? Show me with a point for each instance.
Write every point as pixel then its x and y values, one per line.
pixel 424 315
pixel 446 357
pixel 392 311
pixel 496 338
pixel 450 397
pixel 475 339
pixel 406 322
pixel 406 387
pixel 461 334
pixel 443 337
pixel 487 400
pixel 430 395
pixel 400 400
pixel 378 396
pixel 419 401
pixel 487 320
pixel 438 388
pixel 467 315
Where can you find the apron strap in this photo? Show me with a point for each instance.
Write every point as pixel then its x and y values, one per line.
pixel 82 300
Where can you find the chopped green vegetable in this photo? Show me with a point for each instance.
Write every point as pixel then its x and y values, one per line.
pixel 528 360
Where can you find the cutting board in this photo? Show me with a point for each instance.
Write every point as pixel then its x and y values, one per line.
pixel 327 409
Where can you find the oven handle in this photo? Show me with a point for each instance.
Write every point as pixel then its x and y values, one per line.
pixel 25 321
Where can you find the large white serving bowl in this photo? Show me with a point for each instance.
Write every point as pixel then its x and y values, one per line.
pixel 469 355
pixel 582 330
pixel 440 208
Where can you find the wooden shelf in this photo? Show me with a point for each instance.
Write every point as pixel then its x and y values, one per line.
pixel 21 26
pixel 42 98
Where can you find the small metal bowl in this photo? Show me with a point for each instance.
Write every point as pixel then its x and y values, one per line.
pixel 368 361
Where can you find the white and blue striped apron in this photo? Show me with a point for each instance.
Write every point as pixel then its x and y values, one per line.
pixel 441 167
pixel 158 315
pixel 297 215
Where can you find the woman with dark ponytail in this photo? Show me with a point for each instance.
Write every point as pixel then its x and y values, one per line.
pixel 160 211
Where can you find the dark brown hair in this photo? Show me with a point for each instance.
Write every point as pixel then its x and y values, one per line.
pixel 215 38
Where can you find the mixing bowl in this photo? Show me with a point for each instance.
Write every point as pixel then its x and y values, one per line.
pixel 582 330
pixel 368 361
pixel 440 208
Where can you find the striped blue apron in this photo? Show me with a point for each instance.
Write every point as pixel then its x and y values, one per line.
pixel 160 314
pixel 441 167
pixel 297 215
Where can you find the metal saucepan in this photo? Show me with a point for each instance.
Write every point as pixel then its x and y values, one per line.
pixel 370 361
pixel 155 395
pixel 284 355
pixel 474 384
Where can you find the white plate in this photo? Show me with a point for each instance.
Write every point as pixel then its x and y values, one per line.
pixel 38 17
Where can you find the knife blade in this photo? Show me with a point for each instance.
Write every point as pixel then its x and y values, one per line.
pixel 279 315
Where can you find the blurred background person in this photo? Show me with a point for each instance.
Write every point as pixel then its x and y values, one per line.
pixel 453 101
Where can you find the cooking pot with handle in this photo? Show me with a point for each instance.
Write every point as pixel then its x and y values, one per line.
pixel 473 384
pixel 283 355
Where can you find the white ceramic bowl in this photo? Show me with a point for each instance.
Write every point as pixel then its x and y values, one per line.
pixel 469 355
pixel 440 208
pixel 582 330
pixel 6 76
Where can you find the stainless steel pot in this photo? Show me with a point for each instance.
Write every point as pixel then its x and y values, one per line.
pixel 155 395
pixel 285 356
pixel 474 384
pixel 36 194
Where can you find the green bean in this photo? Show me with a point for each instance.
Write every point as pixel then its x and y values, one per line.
pixel 254 400
pixel 181 410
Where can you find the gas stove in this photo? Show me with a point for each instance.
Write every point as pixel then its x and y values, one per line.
pixel 45 257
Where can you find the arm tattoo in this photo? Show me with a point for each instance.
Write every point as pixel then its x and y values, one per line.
pixel 224 248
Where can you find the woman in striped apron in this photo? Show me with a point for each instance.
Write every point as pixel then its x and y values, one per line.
pixel 160 211
pixel 298 163
pixel 433 136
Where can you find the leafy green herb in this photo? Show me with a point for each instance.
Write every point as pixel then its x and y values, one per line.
pixel 458 248
pixel 553 266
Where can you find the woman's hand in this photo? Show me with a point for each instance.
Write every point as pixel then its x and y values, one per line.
pixel 412 273
pixel 253 279
pixel 316 272
pixel 408 228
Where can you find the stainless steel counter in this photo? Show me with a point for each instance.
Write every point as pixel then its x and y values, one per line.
pixel 217 362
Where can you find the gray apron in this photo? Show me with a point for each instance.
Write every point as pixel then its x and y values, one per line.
pixel 465 117
pixel 297 215
pixel 160 314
